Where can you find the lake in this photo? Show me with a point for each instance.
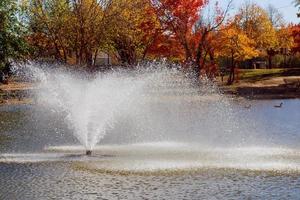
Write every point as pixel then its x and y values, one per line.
pixel 257 157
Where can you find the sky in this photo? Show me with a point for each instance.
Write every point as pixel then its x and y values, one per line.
pixel 286 7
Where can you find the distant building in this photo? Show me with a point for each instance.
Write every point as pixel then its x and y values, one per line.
pixel 103 59
pixel 259 63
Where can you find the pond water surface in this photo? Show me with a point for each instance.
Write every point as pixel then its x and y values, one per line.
pixel 40 159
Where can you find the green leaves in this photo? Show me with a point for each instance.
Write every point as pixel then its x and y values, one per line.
pixel 13 45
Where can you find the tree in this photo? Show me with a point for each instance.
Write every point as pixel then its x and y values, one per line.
pixel 207 27
pixel 70 27
pixel 82 28
pixel 256 24
pixel 89 28
pixel 168 47
pixel 285 40
pixel 48 21
pixel 275 16
pixel 237 46
pixel 178 19
pixel 133 29
pixel 295 33
pixel 13 45
pixel 184 20
pixel 297 4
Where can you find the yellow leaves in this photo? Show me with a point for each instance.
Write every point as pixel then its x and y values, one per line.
pixel 132 20
pixel 237 45
pixel 255 23
pixel 285 39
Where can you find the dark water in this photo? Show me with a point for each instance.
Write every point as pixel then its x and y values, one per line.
pixel 269 168
pixel 60 181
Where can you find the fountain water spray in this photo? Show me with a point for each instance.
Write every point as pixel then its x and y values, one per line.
pixel 154 103
pixel 91 104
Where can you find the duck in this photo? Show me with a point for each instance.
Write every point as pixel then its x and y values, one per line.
pixel 278 106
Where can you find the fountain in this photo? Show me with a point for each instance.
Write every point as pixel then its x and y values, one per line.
pixel 152 103
pixel 92 103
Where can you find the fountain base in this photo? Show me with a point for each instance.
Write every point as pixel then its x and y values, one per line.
pixel 88 152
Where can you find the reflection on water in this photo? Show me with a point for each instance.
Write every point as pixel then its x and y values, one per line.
pixel 37 163
pixel 165 157
pixel 61 181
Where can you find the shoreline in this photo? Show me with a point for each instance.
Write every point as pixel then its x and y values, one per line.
pixel 265 96
pixel 18 93
pixel 266 86
pixel 262 93
pixel 10 102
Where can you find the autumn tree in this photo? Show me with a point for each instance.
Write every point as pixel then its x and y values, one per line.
pixel 285 38
pixel 133 28
pixel 237 46
pixel 255 22
pixel 165 46
pixel 48 22
pixel 89 28
pixel 179 17
pixel 71 27
pixel 295 33
pixel 83 28
pixel 283 34
pixel 185 21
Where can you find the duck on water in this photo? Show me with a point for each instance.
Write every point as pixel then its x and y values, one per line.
pixel 278 106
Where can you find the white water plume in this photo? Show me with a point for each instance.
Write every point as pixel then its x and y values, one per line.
pixel 151 104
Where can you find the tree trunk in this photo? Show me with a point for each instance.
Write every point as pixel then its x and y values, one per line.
pixel 271 53
pixel 95 57
pixel 270 62
pixel 232 70
pixel 88 58
pixel 197 65
pixel 65 55
pixel 231 76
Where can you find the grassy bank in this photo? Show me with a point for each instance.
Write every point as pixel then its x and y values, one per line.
pixel 16 92
pixel 266 83
pixel 252 83
pixel 253 75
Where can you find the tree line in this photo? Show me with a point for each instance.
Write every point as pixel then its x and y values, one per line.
pixel 198 35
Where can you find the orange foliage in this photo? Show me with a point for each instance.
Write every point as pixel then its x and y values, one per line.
pixel 166 47
pixel 295 32
pixel 178 19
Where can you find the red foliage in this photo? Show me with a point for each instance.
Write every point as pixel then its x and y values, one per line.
pixel 182 14
pixel 178 19
pixel 166 47
pixel 295 31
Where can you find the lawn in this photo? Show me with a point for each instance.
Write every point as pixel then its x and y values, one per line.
pixel 253 75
